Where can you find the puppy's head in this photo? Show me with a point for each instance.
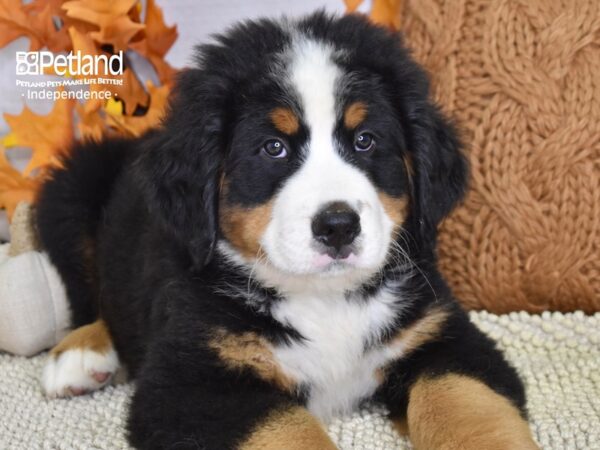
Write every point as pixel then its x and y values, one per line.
pixel 303 148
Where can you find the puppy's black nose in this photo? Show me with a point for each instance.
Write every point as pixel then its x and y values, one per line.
pixel 336 226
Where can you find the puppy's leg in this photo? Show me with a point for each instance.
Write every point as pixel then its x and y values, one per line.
pixel 454 390
pixel 83 361
pixel 292 428
pixel 453 412
pixel 187 396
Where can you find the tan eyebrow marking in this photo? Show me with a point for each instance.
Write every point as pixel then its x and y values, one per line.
pixel 355 114
pixel 285 120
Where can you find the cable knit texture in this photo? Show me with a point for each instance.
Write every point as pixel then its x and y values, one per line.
pixel 558 356
pixel 522 79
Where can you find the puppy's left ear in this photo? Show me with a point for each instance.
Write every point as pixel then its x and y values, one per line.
pixel 440 166
pixel 179 166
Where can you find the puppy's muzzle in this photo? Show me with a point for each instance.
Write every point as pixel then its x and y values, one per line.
pixel 336 226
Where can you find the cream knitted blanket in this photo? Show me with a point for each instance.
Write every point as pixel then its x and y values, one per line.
pixel 558 356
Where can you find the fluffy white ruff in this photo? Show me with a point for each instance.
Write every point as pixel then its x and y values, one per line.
pixel 331 359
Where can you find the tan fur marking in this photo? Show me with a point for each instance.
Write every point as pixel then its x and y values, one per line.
pixel 410 167
pixel 94 336
pixel 244 227
pixel 421 332
pixel 290 429
pixel 248 350
pixel 285 120
pixel 409 339
pixel 354 115
pixel 458 412
pixel 395 207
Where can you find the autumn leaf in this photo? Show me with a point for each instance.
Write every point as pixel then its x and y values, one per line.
pixel 14 187
pixel 134 13
pixel 14 23
pixel 158 39
pixel 91 27
pixel 131 92
pixel 110 16
pixel 387 13
pixel 383 12
pixel 54 38
pixel 57 11
pixel 137 125
pixel 84 44
pixel 35 21
pixel 47 136
pixel 36 6
pixel 352 5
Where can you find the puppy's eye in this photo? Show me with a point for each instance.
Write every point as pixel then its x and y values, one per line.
pixel 364 142
pixel 275 149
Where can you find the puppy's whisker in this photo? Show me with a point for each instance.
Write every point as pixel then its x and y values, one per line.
pixel 260 257
pixel 396 245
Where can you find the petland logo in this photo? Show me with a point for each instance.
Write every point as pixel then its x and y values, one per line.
pixel 73 64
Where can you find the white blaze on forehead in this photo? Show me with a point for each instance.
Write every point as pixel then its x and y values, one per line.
pixel 314 75
pixel 324 177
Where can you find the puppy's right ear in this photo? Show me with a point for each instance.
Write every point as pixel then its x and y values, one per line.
pixel 180 163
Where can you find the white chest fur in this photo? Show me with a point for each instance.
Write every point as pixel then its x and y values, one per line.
pixel 332 360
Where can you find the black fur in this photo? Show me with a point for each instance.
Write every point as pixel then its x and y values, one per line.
pixel 69 211
pixel 151 207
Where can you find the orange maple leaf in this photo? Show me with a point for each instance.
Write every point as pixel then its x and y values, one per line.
pixel 383 12
pixel 158 39
pixel 387 13
pixel 137 125
pixel 33 20
pixel 14 187
pixel 352 5
pixel 131 92
pixel 57 11
pixel 14 23
pixel 110 16
pixel 81 42
pixel 47 136
pixel 87 26
pixel 51 33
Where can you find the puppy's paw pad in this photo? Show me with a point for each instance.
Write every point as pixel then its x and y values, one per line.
pixel 78 372
pixel 101 377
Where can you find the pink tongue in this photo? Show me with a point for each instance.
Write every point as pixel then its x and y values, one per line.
pixel 324 259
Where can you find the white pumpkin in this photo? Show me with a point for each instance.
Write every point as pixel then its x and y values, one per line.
pixel 34 312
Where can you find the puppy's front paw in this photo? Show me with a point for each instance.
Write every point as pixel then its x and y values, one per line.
pixel 78 371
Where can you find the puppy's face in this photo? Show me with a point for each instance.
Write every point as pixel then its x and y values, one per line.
pixel 303 148
pixel 315 182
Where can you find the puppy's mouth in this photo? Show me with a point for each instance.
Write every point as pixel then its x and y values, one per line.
pixel 331 258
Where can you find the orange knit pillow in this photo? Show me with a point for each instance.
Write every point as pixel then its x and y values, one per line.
pixel 522 79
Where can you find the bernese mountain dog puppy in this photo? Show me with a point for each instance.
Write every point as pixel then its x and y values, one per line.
pixel 265 259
